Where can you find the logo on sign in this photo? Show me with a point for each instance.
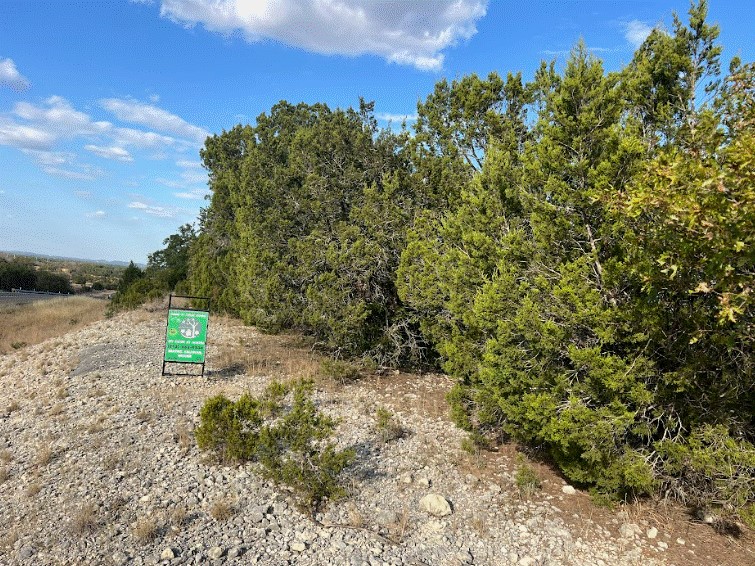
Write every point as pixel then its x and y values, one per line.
pixel 189 328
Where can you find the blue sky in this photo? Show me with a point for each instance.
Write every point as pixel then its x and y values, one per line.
pixel 104 105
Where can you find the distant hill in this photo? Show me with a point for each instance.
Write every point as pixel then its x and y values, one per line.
pixel 64 258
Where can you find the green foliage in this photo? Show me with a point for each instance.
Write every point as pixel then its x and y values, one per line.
pixel 339 370
pixel 387 426
pixel 576 251
pixel 290 442
pixel 526 478
pixel 166 271
pixel 592 289
pixel 21 275
pixel 305 228
pixel 170 265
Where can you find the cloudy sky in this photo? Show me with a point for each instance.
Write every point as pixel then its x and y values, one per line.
pixel 104 105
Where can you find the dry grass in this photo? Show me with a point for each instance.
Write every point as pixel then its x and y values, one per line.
pixel 44 455
pixel 184 436
pixel 355 517
pixel 29 324
pixel 13 406
pixel 179 516
pixel 5 455
pixel 144 416
pixel 146 529
pixel 33 489
pixel 4 474
pixel 222 510
pixel 84 520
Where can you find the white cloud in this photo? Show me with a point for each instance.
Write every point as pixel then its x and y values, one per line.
pixel 149 115
pixel 196 194
pixel 10 77
pixel 95 214
pixel 24 137
pixel 158 211
pixel 636 32
pixel 60 118
pixel 83 173
pixel 64 164
pixel 406 33
pixel 116 153
pixel 142 139
pixel 186 164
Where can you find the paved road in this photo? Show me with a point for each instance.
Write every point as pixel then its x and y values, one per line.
pixel 9 299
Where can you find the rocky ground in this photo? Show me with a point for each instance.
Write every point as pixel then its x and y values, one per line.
pixel 98 466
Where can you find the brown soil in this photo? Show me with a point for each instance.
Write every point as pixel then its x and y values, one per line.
pixel 703 546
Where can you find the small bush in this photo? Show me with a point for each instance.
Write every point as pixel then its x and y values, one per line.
pixel 290 443
pixel 526 478
pixel 386 426
pixel 338 370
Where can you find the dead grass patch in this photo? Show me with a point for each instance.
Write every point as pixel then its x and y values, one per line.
pixel 145 416
pixel 145 529
pixel 33 489
pixel 44 455
pixel 36 322
pixel 222 509
pixel 179 515
pixel 4 474
pixel 84 520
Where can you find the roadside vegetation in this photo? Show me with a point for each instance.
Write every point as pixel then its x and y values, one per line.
pixel 32 323
pixel 576 251
pixel 56 274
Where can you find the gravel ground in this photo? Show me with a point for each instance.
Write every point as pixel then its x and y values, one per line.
pixel 98 466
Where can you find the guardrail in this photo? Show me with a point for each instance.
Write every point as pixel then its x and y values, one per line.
pixel 35 292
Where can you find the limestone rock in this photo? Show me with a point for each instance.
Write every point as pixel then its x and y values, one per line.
pixel 435 505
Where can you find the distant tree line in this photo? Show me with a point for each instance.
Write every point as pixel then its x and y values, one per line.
pixel 166 270
pixel 577 251
pixel 20 275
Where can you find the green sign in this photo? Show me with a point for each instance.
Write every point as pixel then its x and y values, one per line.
pixel 186 336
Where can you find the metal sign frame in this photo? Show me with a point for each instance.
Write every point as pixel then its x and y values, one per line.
pixel 167 327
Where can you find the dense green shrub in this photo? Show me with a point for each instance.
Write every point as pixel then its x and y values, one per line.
pixel 577 251
pixel 290 442
pixel 593 289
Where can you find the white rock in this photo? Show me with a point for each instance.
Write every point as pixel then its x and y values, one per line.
pixel 435 505
pixel 568 490
pixel 681 541
pixel 298 546
pixel 167 554
pixel 628 530
pixel 215 552
pixel 652 532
